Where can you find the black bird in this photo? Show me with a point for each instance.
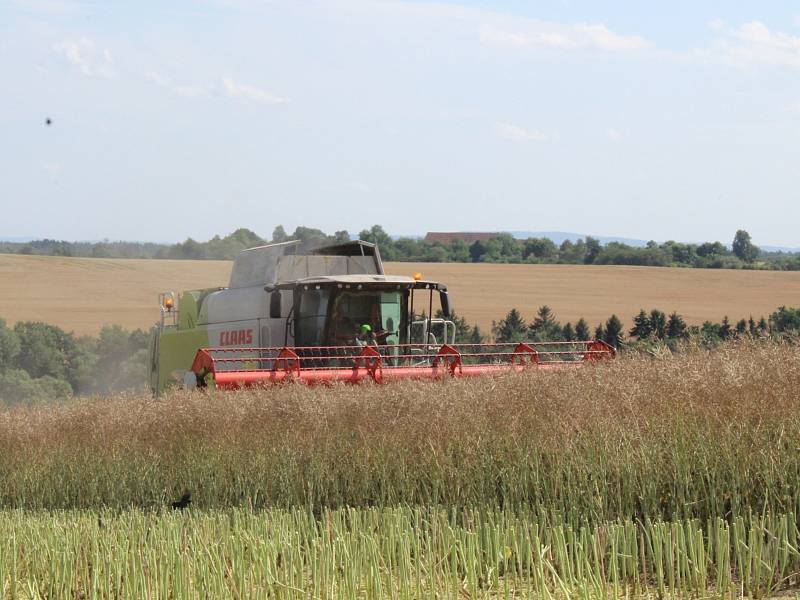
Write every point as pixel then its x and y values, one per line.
pixel 48 121
pixel 184 502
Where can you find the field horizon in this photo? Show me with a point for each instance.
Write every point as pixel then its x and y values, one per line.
pixel 84 294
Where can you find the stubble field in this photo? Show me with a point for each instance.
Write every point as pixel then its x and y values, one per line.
pixel 84 294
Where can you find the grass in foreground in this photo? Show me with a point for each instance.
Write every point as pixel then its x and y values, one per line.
pixel 387 553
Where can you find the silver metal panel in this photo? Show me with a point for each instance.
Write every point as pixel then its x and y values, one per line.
pixel 268 265
pixel 290 268
pixel 237 305
pixel 326 265
pixel 258 266
pixel 361 265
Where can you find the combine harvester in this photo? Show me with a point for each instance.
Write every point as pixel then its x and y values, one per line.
pixel 327 316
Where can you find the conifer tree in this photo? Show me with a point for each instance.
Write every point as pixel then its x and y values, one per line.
pixel 658 324
pixel 613 331
pixel 725 329
pixel 510 329
pixel 641 326
pixel 676 327
pixel 600 332
pixel 582 330
pixel 545 328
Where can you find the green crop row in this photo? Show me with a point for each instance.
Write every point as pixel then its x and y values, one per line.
pixel 387 553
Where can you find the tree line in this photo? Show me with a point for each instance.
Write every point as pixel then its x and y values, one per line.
pixel 41 362
pixel 502 248
pixel 650 327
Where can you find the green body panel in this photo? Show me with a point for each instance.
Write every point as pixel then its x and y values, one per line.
pixel 172 349
pixel 192 308
pixel 174 355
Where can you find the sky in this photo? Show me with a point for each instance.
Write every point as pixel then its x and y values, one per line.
pixel 676 120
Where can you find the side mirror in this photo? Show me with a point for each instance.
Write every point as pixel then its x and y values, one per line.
pixel 275 304
pixel 445 300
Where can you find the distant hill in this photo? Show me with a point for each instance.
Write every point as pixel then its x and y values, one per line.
pixel 16 240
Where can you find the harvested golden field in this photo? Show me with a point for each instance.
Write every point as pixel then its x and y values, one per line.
pixel 83 294
pixel 482 292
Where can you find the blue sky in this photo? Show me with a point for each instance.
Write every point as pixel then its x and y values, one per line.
pixel 679 120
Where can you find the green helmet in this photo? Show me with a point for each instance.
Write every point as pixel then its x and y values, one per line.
pixel 365 328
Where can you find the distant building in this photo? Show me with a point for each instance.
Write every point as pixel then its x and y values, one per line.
pixel 469 237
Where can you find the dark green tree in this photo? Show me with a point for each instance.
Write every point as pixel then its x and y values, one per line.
pixel 725 329
pixel 476 251
pixel 44 350
pixel 545 328
pixel 658 324
pixel 743 247
pixel 510 329
pixel 599 332
pixel 710 249
pixel 741 327
pixel 190 249
pixel 582 330
pixel 751 327
pixel 593 249
pixel 376 235
pixel 641 326
pixel 785 320
pixel 763 328
pixel 711 331
pixel 502 249
pixel 676 327
pixel 613 331
pixel 458 251
pixel 539 249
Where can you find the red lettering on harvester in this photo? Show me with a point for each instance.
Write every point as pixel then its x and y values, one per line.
pixel 236 337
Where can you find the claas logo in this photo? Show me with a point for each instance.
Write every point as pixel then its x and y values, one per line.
pixel 237 337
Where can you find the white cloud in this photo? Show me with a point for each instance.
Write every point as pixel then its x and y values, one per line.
pixel 588 36
pixel 53 168
pixel 250 92
pixel 187 91
pixel 515 132
pixel 87 58
pixel 754 44
pixel 614 134
pixel 795 108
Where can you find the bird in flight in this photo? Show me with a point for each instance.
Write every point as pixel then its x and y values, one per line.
pixel 48 121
